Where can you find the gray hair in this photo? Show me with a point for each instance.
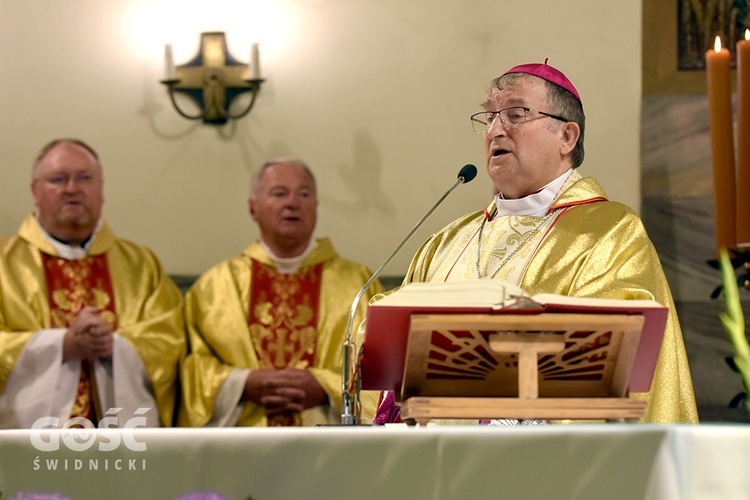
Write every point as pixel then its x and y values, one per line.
pixel 292 162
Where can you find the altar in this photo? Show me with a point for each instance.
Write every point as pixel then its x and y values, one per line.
pixel 591 461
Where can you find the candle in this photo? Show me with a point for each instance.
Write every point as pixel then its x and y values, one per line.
pixel 255 62
pixel 169 68
pixel 722 143
pixel 743 141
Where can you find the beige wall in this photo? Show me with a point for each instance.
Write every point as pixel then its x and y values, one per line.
pixel 375 95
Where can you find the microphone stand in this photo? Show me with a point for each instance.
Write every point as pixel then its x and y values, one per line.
pixel 349 380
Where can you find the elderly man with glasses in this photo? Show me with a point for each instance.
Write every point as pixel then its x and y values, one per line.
pixel 551 230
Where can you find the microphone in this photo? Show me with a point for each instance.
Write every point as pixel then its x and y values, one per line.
pixel 466 174
pixel 349 390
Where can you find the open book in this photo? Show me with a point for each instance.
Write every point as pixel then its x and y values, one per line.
pixel 388 322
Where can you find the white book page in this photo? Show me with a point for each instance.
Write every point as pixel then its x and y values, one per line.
pixel 476 293
pixel 493 293
pixel 551 298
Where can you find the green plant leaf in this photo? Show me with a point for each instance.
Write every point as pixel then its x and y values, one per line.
pixel 733 321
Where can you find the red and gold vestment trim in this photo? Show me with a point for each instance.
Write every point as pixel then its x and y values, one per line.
pixel 71 285
pixel 283 320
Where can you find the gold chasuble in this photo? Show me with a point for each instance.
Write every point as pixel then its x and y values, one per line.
pixel 243 315
pixel 283 321
pixel 40 293
pixel 592 247
pixel 71 285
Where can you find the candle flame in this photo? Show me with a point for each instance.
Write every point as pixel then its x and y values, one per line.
pixel 717 44
pixel 747 34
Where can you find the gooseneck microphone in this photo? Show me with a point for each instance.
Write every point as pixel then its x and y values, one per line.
pixel 466 174
pixel 349 384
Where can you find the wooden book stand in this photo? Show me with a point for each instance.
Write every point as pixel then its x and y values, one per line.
pixel 551 366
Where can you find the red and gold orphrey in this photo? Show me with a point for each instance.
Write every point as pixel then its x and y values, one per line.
pixel 283 321
pixel 72 285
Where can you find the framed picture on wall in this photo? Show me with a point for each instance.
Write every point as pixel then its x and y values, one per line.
pixel 700 21
pixel 676 36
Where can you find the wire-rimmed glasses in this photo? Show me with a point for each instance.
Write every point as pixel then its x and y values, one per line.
pixel 509 117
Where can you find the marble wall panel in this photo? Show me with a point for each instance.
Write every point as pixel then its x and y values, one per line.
pixel 677 210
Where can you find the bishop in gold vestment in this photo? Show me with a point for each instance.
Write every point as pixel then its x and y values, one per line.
pixel 592 248
pixel 550 230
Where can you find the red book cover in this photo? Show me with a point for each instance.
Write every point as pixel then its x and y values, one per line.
pixel 387 330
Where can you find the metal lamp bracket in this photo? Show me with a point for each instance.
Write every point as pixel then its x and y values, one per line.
pixel 213 79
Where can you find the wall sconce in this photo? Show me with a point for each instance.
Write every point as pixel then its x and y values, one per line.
pixel 213 79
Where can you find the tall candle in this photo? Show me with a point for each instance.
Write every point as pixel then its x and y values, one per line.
pixel 169 68
pixel 722 143
pixel 743 141
pixel 255 62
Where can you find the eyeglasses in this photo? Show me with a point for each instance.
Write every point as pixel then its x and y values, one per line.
pixel 59 180
pixel 509 117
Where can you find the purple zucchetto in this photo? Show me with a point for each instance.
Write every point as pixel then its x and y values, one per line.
pixel 548 73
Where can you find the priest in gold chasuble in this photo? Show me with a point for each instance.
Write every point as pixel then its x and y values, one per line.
pixel 266 327
pixel 90 325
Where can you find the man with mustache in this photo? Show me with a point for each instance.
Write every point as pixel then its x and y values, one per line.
pixel 90 325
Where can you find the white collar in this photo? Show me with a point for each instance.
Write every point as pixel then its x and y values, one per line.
pixel 534 204
pixel 70 252
pixel 289 265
